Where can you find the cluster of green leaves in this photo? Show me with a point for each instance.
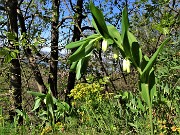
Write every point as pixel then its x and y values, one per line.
pixel 8 53
pixel 54 110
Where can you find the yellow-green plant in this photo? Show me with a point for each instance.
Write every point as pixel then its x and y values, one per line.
pixel 126 44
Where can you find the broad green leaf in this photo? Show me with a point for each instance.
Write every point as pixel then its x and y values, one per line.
pixel 85 63
pixel 135 50
pixel 151 79
pixel 37 104
pixel 125 26
pixel 144 76
pixel 152 84
pixel 99 20
pixel 73 66
pixel 125 22
pixel 153 92
pixel 37 94
pixel 95 26
pixel 140 105
pixel 80 42
pixel 126 46
pixel 49 104
pixel 153 58
pixel 115 35
pixel 144 62
pixel 145 93
pixel 82 51
pixel 7 58
pixel 78 69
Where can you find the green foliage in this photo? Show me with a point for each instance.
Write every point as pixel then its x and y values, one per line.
pixel 130 50
pixel 99 21
pixel 8 54
pixel 54 110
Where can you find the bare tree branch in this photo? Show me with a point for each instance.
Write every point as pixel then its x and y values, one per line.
pixel 63 20
pixel 87 28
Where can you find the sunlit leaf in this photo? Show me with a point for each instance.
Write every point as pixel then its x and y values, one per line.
pixel 99 20
pixel 78 69
pixel 80 42
pixel 125 22
pixel 145 92
pixel 153 58
pixel 82 51
pixel 135 50
pixel 37 94
pixel 37 103
pixel 73 66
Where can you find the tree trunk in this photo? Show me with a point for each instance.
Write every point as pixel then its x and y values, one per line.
pixel 28 52
pixel 15 70
pixel 76 37
pixel 54 48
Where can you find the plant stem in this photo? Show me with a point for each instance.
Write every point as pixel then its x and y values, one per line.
pixel 150 118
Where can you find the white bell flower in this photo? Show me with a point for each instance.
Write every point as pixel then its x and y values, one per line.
pixel 104 45
pixel 126 65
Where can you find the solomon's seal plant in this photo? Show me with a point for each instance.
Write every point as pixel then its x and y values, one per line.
pixel 128 47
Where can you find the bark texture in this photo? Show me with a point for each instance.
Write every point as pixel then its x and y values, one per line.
pixel 28 52
pixel 76 37
pixel 15 70
pixel 54 48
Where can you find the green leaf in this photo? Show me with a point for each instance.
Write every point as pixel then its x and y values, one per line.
pixel 80 42
pixel 7 58
pixel 66 106
pixel 135 50
pixel 99 20
pixel 4 51
pixel 145 92
pixel 140 105
pixel 37 94
pixel 152 84
pixel 125 22
pixel 85 63
pixel 49 105
pixel 125 95
pixel 78 69
pixel 115 35
pixel 126 46
pixel 82 51
pixel 13 55
pixel 19 112
pixel 37 103
pixel 153 58
pixel 95 26
pixel 73 66
pixel 144 62
pixel 125 26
